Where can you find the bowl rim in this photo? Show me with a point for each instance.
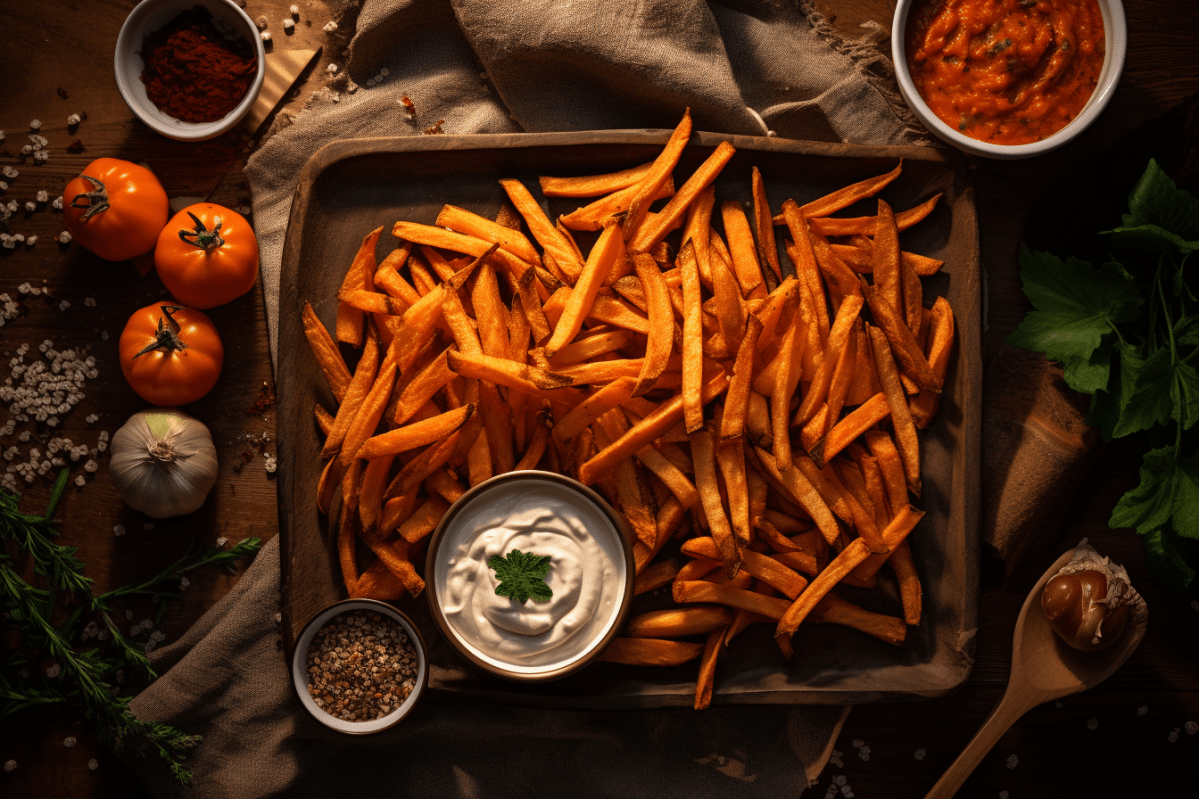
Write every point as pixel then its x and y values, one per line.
pixel 299 674
pixel 1116 47
pixel 179 130
pixel 622 612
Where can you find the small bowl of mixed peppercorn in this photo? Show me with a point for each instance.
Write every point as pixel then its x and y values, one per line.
pixel 190 69
pixel 360 666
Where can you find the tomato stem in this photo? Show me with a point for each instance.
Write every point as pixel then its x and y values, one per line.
pixel 97 198
pixel 167 336
pixel 201 236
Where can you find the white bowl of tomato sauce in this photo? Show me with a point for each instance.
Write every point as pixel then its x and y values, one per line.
pixel 1008 79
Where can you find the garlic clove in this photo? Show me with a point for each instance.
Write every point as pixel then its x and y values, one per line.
pixel 1088 602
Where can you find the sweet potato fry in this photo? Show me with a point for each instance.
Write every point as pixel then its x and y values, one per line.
pixel 462 221
pixel 692 340
pixel 865 380
pixel 326 353
pixel 869 413
pixel 660 339
pixel 859 257
pixel 423 520
pixel 835 610
pixel 865 224
pixel 690 591
pixel 904 521
pixel 653 232
pixel 593 185
pixel 670 516
pixel 655 576
pixel 359 276
pixel 729 304
pixel 593 407
pixel 594 215
pixel 417 434
pixel 635 501
pixel 655 178
pixel 736 409
pixel 395 512
pixel 840 566
pixel 356 393
pixel 764 225
pixel 650 652
pixel 886 258
pixel 457 242
pixel 370 496
pixel 901 341
pixel 519 376
pixel 799 560
pixel 703 453
pixel 786 378
pixel 742 249
pixel 324 419
pixel 605 253
pixel 393 552
pixel 901 415
pixel 924 405
pixel 706 680
pixel 671 475
pixel 699 220
pixel 677 622
pixel 910 592
pixel 730 457
pixel 763 567
pixel 843 198
pixel 802 491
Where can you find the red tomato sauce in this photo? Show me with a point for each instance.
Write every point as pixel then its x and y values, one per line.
pixel 1005 71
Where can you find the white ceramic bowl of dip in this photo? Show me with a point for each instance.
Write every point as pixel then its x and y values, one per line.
pixel 299 667
pixel 1115 33
pixel 149 16
pixel 591 575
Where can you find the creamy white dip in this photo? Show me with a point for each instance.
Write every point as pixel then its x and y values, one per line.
pixel 587 575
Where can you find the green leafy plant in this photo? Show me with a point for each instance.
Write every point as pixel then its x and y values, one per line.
pixel 1127 333
pixel 522 576
pixel 84 675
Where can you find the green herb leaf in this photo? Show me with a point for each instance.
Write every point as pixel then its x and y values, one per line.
pixel 1169 492
pixel 1108 406
pixel 1161 216
pixel 522 576
pixel 1089 375
pixel 1166 562
pixel 1076 305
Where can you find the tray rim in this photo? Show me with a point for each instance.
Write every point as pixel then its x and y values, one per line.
pixel 335 152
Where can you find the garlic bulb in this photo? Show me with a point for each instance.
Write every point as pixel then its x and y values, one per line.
pixel 1088 602
pixel 163 462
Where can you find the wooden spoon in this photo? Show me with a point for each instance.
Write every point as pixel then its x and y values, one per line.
pixel 1044 668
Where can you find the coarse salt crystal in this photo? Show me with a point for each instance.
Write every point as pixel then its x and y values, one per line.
pixel 184 582
pixel 1195 605
pixel 288 24
pixel 840 779
pixel 53 671
pixel 385 72
pixel 1057 704
pixel 1092 724
pixel 35 124
pixel 1142 710
pixel 148 526
pixel 261 22
pixel 266 36
pixel 149 647
pixel 41 157
pixel 120 530
pixel 919 754
pixel 1003 795
pixel 330 26
pixel 1173 736
pixel 32 240
pixel 220 542
pixel 69 742
pixel 295 10
pixel 10 766
pixel 1012 762
pixel 332 69
pixel 73 120
pixel 1192 728
pixel 43 196
pixel 91 466
pixel 858 743
pixel 64 237
pixel 10 172
pixel 80 481
pixel 65 304
pixel 30 206
pixel 93 764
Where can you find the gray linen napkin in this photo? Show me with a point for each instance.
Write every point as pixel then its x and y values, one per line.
pixel 742 66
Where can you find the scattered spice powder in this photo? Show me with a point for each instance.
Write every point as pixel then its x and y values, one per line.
pixel 266 398
pixel 194 72
pixel 361 666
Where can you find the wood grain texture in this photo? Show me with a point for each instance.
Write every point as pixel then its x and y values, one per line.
pixel 48 44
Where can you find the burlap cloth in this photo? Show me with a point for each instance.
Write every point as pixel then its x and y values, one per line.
pixel 742 66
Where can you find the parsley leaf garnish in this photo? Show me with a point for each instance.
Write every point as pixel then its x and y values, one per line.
pixel 1127 333
pixel 522 576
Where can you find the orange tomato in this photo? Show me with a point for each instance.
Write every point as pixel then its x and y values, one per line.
pixel 171 355
pixel 207 256
pixel 115 209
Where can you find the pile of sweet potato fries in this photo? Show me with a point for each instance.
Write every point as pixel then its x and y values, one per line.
pixel 761 409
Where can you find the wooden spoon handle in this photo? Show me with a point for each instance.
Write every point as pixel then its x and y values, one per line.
pixel 1012 706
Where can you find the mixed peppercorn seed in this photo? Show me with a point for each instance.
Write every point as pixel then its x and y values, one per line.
pixel 361 666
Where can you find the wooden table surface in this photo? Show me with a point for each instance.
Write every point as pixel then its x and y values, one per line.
pixel 57 60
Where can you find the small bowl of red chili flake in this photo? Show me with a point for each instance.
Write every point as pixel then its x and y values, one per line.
pixel 190 69
pixel 359 666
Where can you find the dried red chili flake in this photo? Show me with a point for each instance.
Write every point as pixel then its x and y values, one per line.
pixel 266 398
pixel 436 129
pixel 62 93
pixel 409 106
pixel 194 72
pixel 75 147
